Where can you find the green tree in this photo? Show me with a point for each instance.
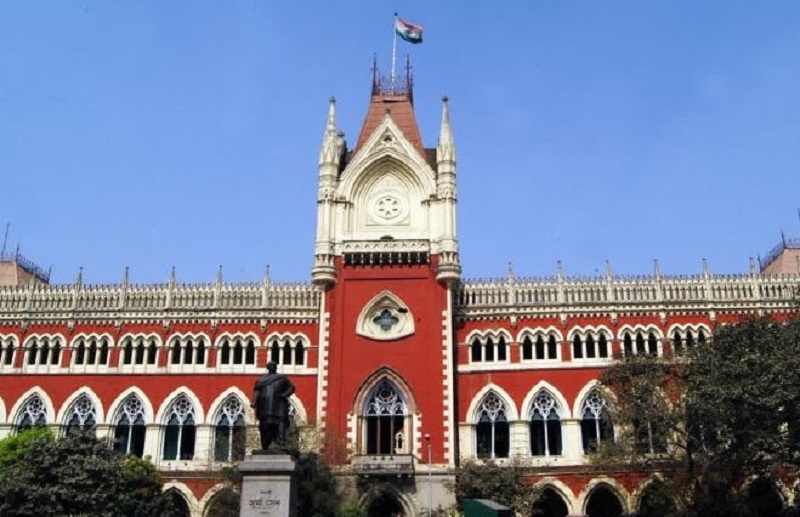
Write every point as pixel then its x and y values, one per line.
pixel 504 484
pixel 75 475
pixel 727 412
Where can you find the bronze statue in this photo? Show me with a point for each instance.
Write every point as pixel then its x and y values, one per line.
pixel 271 401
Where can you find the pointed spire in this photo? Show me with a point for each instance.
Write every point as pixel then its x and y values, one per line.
pixel 126 276
pixel 559 271
pixel 511 278
pixel 609 273
pixel 656 269
pixel 172 276
pixel 447 147
pixel 752 266
pixel 705 268
pixel 267 278
pixel 79 278
pixel 219 275
pixel 329 153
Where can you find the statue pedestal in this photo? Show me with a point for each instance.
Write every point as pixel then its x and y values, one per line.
pixel 268 487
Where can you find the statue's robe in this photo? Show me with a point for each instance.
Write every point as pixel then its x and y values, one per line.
pixel 271 398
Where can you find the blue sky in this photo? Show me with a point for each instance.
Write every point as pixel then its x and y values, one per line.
pixel 150 134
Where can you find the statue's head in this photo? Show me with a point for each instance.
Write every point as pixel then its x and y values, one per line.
pixel 272 367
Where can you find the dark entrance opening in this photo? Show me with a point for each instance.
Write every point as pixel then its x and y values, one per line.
pixel 549 504
pixel 603 503
pixel 385 506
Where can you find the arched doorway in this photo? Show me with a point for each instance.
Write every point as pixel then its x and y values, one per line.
pixel 176 505
pixel 550 504
pixel 603 503
pixel 656 501
pixel 386 506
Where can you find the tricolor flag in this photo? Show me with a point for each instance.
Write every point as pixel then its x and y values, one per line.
pixel 410 32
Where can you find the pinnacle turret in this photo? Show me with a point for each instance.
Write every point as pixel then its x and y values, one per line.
pixel 446 151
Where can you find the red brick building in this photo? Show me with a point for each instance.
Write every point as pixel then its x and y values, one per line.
pixel 400 362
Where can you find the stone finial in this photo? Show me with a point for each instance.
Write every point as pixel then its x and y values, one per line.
pixel 267 278
pixel 126 276
pixel 609 272
pixel 753 270
pixel 172 276
pixel 559 271
pixel 219 275
pixel 705 268
pixel 328 154
pixel 447 147
pixel 79 278
pixel 656 269
pixel 511 277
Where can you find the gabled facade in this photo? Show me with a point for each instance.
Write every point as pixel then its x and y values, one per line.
pixel 403 369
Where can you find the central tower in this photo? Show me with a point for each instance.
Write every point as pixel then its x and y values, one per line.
pixel 387 256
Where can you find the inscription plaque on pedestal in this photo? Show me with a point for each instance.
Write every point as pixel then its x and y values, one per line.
pixel 268 488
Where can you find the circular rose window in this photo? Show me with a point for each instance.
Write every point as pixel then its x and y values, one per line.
pixel 388 207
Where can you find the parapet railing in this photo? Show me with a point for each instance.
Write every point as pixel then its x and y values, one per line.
pixel 621 290
pixel 158 297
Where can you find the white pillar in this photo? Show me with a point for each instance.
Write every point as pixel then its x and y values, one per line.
pixel 573 445
pixel 519 438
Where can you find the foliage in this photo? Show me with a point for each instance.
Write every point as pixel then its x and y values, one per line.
pixel 726 413
pixel 351 510
pixel 14 447
pixel 75 475
pixel 504 484
pixel 316 487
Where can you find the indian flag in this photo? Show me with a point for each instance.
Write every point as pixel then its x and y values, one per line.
pixel 410 32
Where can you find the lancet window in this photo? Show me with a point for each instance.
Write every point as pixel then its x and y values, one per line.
pixel 32 414
pixel 545 426
pixel 179 434
pixel 187 350
pixel 230 431
pixel 595 421
pixel 591 345
pixel 540 348
pixel 7 351
pixel 488 349
pixel 491 428
pixel 237 350
pixel 639 343
pixel 44 351
pixel 288 351
pixel 139 350
pixel 90 351
pixel 129 432
pixel 82 415
pixel 685 340
pixel 385 421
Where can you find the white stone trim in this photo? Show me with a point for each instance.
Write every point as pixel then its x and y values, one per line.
pixel 472 412
pixel 565 411
pixel 365 327
pixel 20 403
pixel 187 494
pixel 322 363
pixel 169 399
pixel 2 410
pixel 115 407
pixel 561 489
pixel 616 488
pixel 213 409
pixel 67 405
pixel 450 411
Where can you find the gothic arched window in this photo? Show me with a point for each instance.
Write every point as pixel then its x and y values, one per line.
pixel 129 431
pixel 491 430
pixel 545 426
pixel 179 435
pixel 385 413
pixel 595 422
pixel 82 415
pixel 32 414
pixel 230 431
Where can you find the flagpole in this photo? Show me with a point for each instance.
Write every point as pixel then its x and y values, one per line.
pixel 394 46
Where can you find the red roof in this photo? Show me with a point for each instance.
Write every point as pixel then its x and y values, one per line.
pixel 401 110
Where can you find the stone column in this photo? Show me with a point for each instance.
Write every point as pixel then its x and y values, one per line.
pixel 572 443
pixel 268 486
